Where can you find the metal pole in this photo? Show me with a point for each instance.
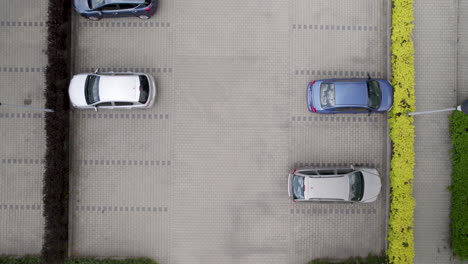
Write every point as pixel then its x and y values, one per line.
pixel 432 111
pixel 462 108
pixel 28 107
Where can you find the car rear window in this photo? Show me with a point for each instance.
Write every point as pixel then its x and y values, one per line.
pixel 92 89
pixel 144 89
pixel 298 187
pixel 356 186
pixel 327 95
pixel 373 89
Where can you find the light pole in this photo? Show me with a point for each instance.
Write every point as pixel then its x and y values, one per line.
pixel 462 108
pixel 28 107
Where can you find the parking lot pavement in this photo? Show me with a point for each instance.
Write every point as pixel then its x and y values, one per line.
pixel 22 41
pixel 202 176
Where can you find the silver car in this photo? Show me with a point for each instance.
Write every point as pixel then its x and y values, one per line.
pixel 334 185
pixel 109 90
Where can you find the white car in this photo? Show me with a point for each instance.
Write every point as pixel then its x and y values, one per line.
pixel 334 185
pixel 112 90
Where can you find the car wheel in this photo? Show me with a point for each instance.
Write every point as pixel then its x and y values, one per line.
pixel 144 17
pixel 93 18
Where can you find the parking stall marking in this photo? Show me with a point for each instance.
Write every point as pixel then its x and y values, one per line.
pixel 21 115
pixel 22 24
pixel 124 24
pixel 121 116
pixel 337 27
pixel 22 69
pixel 134 209
pixel 123 162
pixel 335 165
pixel 23 207
pixel 328 211
pixel 340 73
pixel 23 161
pixel 144 70
pixel 322 118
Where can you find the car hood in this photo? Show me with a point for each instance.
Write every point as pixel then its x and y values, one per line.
pixel 372 185
pixel 119 88
pixel 76 90
pixel 351 93
pixel 326 188
pixel 80 5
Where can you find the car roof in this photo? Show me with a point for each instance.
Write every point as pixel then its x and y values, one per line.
pixel 351 93
pixel 119 88
pixel 327 187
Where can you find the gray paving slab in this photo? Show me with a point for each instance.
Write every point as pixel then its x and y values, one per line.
pixel 229 123
pixel 23 11
pixel 22 41
pixel 435 38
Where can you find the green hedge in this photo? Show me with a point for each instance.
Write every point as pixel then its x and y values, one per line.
pixel 37 260
pixel 459 187
pixel 400 231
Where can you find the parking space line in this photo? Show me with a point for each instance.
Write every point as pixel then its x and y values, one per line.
pixel 144 70
pixel 22 24
pixel 109 208
pixel 124 24
pixel 340 73
pixel 123 162
pixel 17 207
pixel 334 165
pixel 337 27
pixel 120 116
pixel 327 211
pixel 21 115
pixel 321 118
pixel 22 161
pixel 22 69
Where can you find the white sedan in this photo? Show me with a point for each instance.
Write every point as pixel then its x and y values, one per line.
pixel 112 90
pixel 334 185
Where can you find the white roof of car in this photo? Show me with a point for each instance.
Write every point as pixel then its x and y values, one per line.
pixel 327 188
pixel 112 88
pixel 123 88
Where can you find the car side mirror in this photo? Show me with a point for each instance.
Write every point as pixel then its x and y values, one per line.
pixel 352 166
pixel 370 112
pixel 96 71
pixel 95 108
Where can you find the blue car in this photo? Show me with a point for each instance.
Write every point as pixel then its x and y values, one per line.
pixel 97 9
pixel 332 96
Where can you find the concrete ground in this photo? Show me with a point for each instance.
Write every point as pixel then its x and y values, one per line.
pixel 202 176
pixel 22 42
pixel 441 64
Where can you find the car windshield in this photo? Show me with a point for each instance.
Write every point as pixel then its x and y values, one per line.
pixel 298 187
pixel 144 89
pixel 373 89
pixel 356 186
pixel 96 3
pixel 92 89
pixel 327 95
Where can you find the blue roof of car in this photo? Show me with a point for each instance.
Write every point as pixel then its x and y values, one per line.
pixel 351 93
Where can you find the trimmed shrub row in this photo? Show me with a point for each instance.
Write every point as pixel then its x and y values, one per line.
pixel 37 260
pixel 55 186
pixel 400 231
pixel 459 187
